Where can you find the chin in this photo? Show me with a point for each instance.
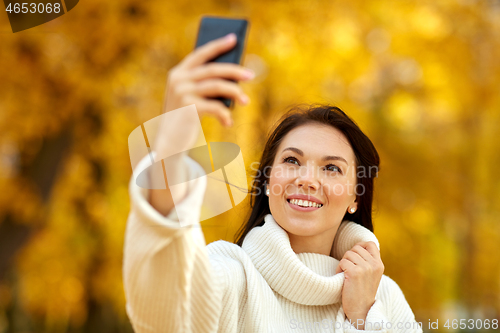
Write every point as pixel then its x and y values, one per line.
pixel 301 227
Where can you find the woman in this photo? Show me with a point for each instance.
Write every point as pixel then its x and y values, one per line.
pixel 306 260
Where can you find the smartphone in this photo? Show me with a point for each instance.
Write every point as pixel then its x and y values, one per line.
pixel 213 27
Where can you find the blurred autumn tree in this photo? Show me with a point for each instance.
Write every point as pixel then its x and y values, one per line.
pixel 420 77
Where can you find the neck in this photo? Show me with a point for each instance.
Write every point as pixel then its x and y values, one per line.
pixel 321 243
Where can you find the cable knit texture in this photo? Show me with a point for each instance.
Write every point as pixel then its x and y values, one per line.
pixel 175 283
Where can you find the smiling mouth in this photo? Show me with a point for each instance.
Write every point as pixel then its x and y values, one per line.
pixel 304 203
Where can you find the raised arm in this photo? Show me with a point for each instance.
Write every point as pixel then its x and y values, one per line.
pixel 194 81
pixel 169 283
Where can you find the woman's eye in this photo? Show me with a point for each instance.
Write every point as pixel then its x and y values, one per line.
pixel 292 160
pixel 330 167
pixel 333 168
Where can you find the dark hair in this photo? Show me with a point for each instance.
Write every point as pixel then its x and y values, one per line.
pixel 366 157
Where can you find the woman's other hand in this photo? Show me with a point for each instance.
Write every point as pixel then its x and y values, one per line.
pixel 363 269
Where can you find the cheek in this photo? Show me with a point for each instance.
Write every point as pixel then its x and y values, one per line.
pixel 339 190
pixel 278 180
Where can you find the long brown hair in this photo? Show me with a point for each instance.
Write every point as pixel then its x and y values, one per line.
pixel 366 157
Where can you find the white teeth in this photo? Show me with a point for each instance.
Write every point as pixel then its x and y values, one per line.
pixel 305 203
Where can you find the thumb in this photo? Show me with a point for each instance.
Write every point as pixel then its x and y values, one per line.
pixel 338 269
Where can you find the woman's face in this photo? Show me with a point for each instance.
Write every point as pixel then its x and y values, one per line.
pixel 314 160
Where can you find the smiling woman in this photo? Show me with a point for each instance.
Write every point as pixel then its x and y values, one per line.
pixel 307 253
pixel 314 179
pixel 321 152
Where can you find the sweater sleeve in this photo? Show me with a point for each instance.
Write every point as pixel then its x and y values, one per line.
pixel 169 283
pixel 390 313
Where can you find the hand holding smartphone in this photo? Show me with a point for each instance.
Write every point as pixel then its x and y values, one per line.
pixel 213 27
pixel 195 80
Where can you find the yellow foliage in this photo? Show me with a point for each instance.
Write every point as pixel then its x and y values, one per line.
pixel 420 78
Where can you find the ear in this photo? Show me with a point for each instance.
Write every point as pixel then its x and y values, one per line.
pixel 351 206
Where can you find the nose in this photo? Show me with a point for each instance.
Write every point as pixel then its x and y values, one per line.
pixel 308 177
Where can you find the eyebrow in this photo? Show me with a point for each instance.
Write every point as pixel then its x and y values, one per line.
pixel 325 158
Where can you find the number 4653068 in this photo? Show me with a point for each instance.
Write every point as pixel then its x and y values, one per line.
pixel 33 8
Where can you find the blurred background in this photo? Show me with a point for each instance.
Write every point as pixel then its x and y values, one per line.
pixel 421 78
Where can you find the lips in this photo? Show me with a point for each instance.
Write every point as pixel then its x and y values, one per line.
pixel 304 203
pixel 304 197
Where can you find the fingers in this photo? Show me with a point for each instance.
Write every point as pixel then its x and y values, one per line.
pixel 359 254
pixel 194 80
pixel 220 88
pixel 209 51
pixel 215 108
pixel 370 254
pixel 363 253
pixel 223 70
pixel 345 265
pixel 354 257
pixel 371 247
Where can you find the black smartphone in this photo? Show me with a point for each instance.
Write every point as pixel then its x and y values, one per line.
pixel 213 27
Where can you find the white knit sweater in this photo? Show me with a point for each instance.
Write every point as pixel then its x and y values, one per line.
pixel 175 283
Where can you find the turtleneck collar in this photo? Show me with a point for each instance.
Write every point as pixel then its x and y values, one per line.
pixel 304 278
